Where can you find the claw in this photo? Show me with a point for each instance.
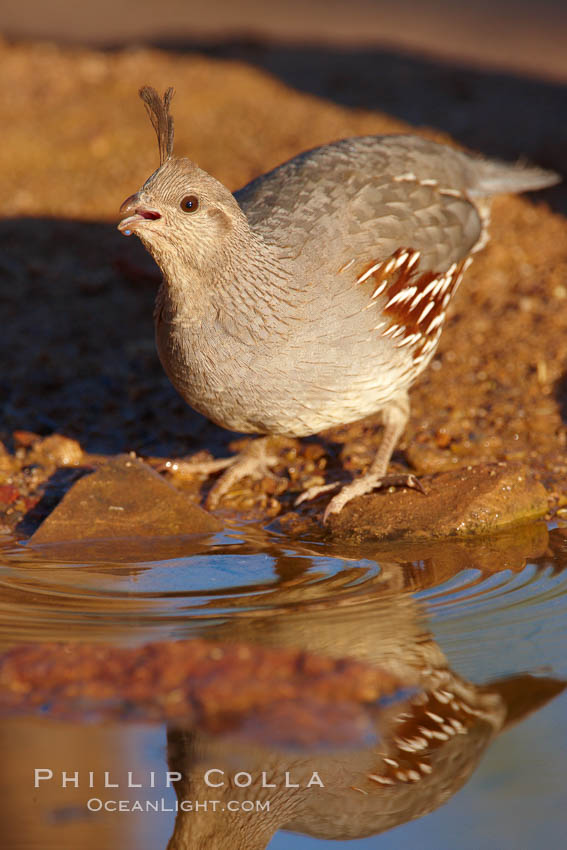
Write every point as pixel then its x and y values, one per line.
pixel 414 483
pixel 313 492
pixel 188 468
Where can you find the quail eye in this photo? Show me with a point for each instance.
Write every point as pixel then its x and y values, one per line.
pixel 190 203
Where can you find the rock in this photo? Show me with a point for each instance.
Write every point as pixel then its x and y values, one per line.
pixel 476 500
pixel 124 498
pixel 7 463
pixel 8 494
pixel 57 450
pixel 25 439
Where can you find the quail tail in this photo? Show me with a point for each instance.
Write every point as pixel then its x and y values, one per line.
pixel 493 178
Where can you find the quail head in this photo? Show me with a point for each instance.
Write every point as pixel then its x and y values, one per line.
pixel 317 294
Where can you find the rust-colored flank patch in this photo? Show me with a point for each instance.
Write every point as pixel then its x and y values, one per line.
pixel 416 301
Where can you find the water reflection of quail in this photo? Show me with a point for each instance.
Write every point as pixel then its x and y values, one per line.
pixel 428 748
pixel 414 754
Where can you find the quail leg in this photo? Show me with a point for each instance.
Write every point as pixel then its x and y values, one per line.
pixel 254 461
pixel 395 417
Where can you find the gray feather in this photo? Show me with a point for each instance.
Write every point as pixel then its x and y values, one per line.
pixel 492 177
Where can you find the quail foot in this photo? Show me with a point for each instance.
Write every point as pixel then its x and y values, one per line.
pixel 317 294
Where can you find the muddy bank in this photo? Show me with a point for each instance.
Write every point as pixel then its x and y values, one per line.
pixel 76 299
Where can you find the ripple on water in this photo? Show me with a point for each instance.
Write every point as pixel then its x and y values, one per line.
pixel 176 587
pixel 489 619
pixel 44 592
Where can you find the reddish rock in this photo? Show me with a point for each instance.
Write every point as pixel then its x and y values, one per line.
pixel 123 499
pixel 8 494
pixel 7 462
pixel 57 450
pixel 25 439
pixel 476 500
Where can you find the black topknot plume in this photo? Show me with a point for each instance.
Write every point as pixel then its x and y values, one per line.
pixel 162 121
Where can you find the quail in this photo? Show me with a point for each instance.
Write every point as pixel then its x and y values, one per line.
pixel 315 295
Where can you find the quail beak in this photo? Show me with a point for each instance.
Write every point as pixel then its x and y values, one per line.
pixel 136 212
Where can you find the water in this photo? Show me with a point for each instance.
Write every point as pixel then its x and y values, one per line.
pixel 474 631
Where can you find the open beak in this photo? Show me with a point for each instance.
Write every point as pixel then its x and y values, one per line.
pixel 136 211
